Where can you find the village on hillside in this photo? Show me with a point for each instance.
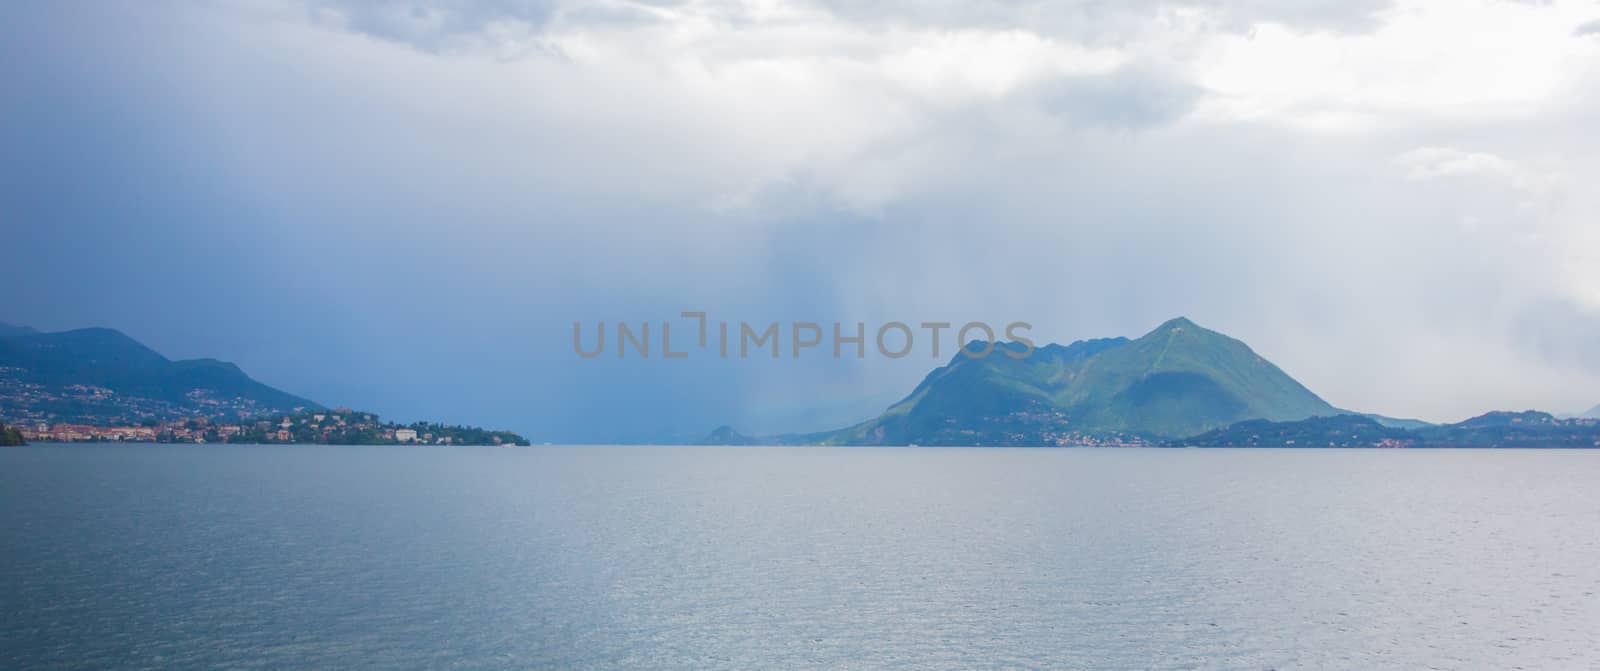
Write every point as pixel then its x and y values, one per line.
pixel 341 426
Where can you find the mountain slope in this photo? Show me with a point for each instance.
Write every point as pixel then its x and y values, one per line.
pixel 1593 413
pixel 97 375
pixel 1180 379
pixel 1177 380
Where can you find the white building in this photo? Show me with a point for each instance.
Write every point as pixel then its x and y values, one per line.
pixel 405 435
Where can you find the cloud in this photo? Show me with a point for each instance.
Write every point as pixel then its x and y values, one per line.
pixel 437 25
pixel 1448 63
pixel 1128 97
pixel 447 24
pixel 1114 23
pixel 1429 163
pixel 1590 28
pixel 1297 175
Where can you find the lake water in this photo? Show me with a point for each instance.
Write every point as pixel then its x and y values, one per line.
pixel 162 557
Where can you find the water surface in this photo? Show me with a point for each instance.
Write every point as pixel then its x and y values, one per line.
pixel 158 557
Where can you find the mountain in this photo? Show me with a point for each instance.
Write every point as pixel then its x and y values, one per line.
pixel 726 435
pixel 1494 429
pixel 12 330
pixel 1514 429
pixel 1179 379
pixel 1502 419
pixel 99 375
pixel 1593 413
pixel 1396 422
pixel 1335 431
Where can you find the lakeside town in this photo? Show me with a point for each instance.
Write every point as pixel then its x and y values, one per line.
pixel 30 404
pixel 341 426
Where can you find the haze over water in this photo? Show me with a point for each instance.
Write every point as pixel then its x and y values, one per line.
pixel 740 558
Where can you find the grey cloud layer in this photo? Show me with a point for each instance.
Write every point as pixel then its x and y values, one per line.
pixel 434 25
pixel 486 173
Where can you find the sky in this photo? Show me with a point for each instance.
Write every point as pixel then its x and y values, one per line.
pixel 405 206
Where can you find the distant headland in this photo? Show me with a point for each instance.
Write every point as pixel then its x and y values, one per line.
pixel 99 385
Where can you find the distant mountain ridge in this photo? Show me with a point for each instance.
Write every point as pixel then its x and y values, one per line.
pixel 99 375
pixel 13 330
pixel 1178 380
pixel 726 435
pixel 1494 429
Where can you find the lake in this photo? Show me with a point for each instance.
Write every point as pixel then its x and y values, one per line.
pixel 171 557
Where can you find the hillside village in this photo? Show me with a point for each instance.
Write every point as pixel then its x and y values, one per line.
pixel 341 426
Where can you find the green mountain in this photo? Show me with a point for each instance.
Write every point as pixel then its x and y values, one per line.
pixel 1177 380
pixel 99 375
